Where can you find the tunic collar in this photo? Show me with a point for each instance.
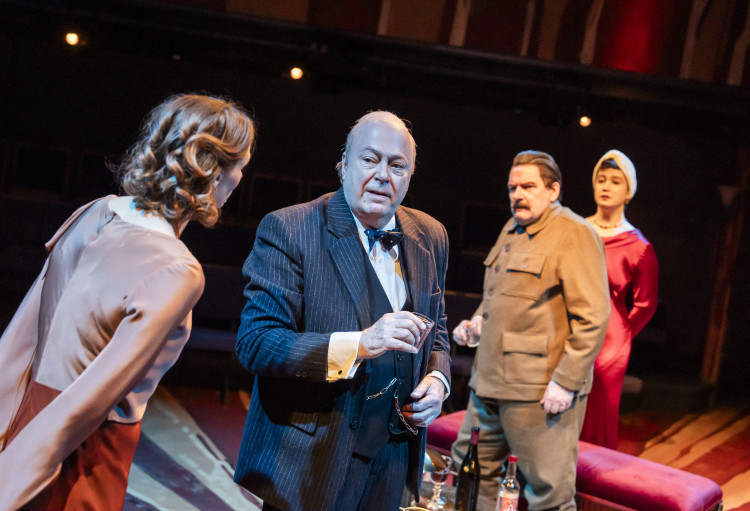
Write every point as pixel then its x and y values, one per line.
pixel 547 217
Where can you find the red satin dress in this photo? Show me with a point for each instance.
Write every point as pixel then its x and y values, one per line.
pixel 631 265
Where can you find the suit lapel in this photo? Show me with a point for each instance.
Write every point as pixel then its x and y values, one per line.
pixel 346 251
pixel 417 260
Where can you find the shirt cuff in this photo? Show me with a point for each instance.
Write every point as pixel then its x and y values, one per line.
pixel 440 376
pixel 342 355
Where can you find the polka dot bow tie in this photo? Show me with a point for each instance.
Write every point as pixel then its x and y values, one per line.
pixel 388 239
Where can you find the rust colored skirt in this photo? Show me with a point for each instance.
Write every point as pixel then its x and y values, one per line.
pixel 95 474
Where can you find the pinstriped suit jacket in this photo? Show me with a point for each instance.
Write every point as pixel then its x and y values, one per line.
pixel 306 279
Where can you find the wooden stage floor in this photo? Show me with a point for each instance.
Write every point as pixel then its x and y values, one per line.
pixel 190 441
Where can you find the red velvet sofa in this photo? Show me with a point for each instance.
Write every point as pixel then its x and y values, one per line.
pixel 612 480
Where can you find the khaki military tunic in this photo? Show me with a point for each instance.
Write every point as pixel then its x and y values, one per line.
pixel 545 308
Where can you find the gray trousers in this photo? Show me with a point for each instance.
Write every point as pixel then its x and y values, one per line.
pixel 546 446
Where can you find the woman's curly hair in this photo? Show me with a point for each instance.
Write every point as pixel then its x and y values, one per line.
pixel 184 145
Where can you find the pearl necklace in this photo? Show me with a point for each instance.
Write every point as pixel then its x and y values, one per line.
pixel 605 226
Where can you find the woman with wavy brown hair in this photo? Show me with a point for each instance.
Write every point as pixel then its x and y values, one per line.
pixel 110 311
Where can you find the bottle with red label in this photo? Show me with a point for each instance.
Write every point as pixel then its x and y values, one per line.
pixel 507 496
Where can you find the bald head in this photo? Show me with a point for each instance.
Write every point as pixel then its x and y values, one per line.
pixel 379 116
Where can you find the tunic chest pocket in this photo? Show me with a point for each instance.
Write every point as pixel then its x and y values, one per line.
pixel 523 275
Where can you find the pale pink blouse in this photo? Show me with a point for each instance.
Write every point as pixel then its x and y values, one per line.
pixel 105 319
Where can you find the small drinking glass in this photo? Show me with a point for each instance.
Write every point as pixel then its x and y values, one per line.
pixel 438 477
pixel 423 335
pixel 473 341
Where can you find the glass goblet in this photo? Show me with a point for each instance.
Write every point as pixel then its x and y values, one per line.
pixel 438 476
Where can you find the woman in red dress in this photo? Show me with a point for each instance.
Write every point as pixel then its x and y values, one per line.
pixel 633 271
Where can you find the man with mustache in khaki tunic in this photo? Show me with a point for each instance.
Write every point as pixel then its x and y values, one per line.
pixel 541 323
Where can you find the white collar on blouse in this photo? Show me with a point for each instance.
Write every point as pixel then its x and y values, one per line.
pixel 625 226
pixel 125 208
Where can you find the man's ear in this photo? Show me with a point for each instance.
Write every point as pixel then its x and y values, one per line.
pixel 555 187
pixel 342 166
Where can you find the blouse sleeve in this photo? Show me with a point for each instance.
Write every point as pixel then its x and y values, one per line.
pixel 19 341
pixel 155 308
pixel 645 285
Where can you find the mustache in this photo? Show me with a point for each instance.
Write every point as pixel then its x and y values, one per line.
pixel 519 204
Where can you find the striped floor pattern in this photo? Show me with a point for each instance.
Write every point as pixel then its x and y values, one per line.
pixel 177 467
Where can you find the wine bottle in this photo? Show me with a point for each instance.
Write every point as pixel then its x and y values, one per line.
pixel 507 496
pixel 467 488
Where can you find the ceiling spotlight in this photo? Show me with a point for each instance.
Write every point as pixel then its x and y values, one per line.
pixel 584 121
pixel 71 38
pixel 296 73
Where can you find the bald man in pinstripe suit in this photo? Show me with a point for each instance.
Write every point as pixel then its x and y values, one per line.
pixel 342 392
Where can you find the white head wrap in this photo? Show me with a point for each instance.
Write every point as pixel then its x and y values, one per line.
pixel 624 163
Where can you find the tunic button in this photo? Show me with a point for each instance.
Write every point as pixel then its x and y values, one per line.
pixel 497 268
pixel 489 292
pixel 485 316
pixel 354 424
pixel 507 248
